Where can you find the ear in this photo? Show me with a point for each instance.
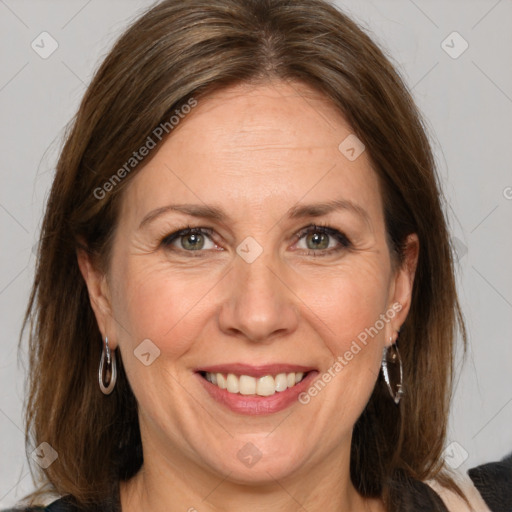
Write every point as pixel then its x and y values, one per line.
pixel 401 287
pixel 99 294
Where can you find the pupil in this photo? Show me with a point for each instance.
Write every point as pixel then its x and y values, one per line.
pixel 318 238
pixel 191 241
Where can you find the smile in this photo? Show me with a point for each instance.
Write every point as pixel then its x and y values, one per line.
pixel 255 390
pixel 266 385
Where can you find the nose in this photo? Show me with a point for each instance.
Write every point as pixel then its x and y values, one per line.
pixel 260 304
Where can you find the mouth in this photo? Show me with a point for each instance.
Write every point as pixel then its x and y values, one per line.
pixel 266 385
pixel 256 390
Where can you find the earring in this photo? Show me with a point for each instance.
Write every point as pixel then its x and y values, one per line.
pixel 108 367
pixel 393 371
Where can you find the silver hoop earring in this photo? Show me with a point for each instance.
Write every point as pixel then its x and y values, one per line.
pixel 393 372
pixel 108 367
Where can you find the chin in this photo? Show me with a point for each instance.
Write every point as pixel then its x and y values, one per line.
pixel 258 463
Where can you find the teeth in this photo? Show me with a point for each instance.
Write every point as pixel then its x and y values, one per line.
pixel 281 382
pixel 266 386
pixel 233 384
pixel 221 380
pixel 247 385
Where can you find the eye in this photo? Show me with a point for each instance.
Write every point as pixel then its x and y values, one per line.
pixel 319 240
pixel 190 239
pixel 322 240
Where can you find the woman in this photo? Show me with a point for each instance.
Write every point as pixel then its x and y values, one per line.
pixel 245 294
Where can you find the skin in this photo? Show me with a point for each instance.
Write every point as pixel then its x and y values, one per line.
pixel 255 151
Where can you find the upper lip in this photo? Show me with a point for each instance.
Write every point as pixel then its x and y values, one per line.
pixel 255 371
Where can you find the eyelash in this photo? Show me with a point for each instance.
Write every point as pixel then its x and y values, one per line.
pixel 312 228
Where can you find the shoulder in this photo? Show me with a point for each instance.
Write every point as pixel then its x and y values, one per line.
pixel 494 482
pixel 58 505
pixel 25 509
pixel 69 504
pixel 453 502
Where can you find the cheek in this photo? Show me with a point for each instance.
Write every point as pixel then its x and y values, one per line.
pixel 171 306
pixel 352 306
pixel 350 301
pixel 157 303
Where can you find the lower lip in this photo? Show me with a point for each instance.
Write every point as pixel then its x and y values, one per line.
pixel 258 405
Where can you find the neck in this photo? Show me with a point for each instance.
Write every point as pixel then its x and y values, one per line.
pixel 169 482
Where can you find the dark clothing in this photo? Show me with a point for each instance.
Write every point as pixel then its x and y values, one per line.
pixel 493 481
pixel 67 505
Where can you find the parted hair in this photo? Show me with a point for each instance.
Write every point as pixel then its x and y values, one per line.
pixel 183 49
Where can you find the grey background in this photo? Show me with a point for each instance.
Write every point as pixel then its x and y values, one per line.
pixel 467 102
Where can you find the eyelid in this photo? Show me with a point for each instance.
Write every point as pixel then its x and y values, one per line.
pixel 175 235
pixel 324 228
pixel 343 240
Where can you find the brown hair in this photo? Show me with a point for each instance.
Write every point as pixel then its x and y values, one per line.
pixel 185 49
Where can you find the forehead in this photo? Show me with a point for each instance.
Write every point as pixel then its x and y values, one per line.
pixel 271 117
pixel 257 148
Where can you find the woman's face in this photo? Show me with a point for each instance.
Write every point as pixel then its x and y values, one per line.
pixel 257 292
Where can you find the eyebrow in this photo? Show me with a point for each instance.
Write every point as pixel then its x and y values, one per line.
pixel 295 212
